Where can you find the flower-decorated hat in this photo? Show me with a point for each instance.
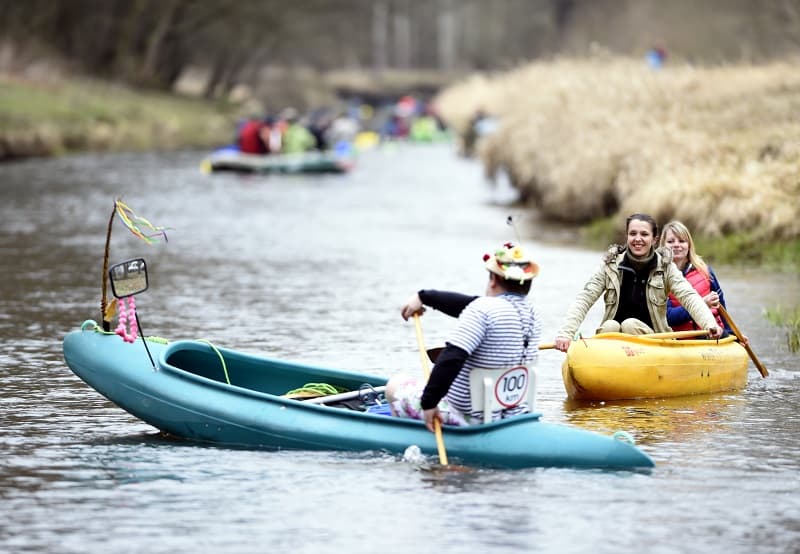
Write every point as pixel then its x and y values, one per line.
pixel 510 262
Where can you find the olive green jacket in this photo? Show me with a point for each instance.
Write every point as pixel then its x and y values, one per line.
pixel 664 278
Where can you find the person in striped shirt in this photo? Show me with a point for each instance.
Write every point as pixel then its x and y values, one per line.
pixel 498 331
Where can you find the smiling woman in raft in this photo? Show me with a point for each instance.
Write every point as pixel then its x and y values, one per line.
pixel 635 281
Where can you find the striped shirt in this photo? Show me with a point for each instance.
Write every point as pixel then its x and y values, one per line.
pixel 492 330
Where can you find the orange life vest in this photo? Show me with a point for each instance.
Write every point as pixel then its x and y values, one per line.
pixel 702 285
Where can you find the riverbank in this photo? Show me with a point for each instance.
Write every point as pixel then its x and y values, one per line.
pixel 589 141
pixel 724 162
pixel 67 116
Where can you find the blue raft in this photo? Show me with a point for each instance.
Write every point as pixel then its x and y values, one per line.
pixel 199 392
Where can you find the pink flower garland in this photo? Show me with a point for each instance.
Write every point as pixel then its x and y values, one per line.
pixel 124 319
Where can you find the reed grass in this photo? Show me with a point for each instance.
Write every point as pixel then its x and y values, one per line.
pixel 789 320
pixel 594 140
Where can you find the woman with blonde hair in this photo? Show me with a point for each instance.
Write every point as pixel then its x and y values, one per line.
pixel 677 237
pixel 634 281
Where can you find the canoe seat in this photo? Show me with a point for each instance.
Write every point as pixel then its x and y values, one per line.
pixel 502 389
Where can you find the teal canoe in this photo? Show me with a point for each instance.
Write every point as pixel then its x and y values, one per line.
pixel 194 390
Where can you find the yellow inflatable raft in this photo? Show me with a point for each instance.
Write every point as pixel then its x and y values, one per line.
pixel 615 366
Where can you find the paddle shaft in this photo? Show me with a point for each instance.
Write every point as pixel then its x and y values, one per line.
pixel 433 353
pixel 437 425
pixel 756 361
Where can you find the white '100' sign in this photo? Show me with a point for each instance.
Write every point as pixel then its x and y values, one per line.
pixel 512 387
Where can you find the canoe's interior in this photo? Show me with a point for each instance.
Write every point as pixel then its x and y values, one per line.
pixel 663 342
pixel 265 375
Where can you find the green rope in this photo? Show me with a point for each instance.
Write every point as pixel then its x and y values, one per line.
pixel 92 325
pixel 221 359
pixel 623 436
pixel 322 389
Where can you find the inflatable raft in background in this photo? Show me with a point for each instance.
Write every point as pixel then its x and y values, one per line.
pixel 231 159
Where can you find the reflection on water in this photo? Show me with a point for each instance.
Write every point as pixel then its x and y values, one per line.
pixel 659 420
pixel 314 269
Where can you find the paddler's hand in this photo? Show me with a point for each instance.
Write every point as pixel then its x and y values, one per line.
pixel 412 306
pixel 562 344
pixel 712 300
pixel 715 332
pixel 429 415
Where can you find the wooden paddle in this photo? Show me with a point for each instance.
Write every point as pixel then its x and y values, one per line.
pixel 437 425
pixel 433 353
pixel 756 361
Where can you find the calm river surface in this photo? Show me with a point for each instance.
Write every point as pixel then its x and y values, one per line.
pixel 314 269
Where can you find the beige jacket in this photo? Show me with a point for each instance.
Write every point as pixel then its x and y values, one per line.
pixel 665 278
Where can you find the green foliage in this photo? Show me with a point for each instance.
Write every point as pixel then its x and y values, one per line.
pixel 602 232
pixel 81 114
pixel 739 249
pixel 751 250
pixel 789 319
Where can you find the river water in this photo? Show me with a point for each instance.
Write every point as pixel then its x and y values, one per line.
pixel 314 269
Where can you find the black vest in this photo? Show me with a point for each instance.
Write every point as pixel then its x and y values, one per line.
pixel 633 291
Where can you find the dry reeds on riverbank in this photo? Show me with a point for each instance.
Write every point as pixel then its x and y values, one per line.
pixel 718 148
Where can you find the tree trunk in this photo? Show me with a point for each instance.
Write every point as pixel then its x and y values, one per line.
pixel 149 72
pixel 447 35
pixel 402 37
pixel 380 24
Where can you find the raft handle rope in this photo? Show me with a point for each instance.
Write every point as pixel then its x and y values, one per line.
pixel 624 436
pixel 92 325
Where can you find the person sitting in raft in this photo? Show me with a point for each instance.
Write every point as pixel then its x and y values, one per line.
pixel 677 237
pixel 296 137
pixel 254 136
pixel 635 281
pixel 498 331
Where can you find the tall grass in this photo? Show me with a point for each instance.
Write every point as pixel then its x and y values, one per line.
pixel 789 319
pixel 718 148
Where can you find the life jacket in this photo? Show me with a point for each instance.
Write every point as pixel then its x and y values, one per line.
pixel 702 285
pixel 250 138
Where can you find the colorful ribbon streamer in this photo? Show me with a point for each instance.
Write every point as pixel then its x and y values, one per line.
pixel 134 223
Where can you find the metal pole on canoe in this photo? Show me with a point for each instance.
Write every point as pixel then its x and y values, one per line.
pixel 437 425
pixel 756 361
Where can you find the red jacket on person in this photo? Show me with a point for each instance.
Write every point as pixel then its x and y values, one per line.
pixel 702 285
pixel 250 141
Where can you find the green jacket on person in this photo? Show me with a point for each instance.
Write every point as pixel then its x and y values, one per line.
pixel 297 138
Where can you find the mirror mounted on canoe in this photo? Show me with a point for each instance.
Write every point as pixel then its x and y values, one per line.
pixel 128 278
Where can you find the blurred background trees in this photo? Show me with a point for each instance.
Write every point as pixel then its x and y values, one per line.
pixel 226 43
